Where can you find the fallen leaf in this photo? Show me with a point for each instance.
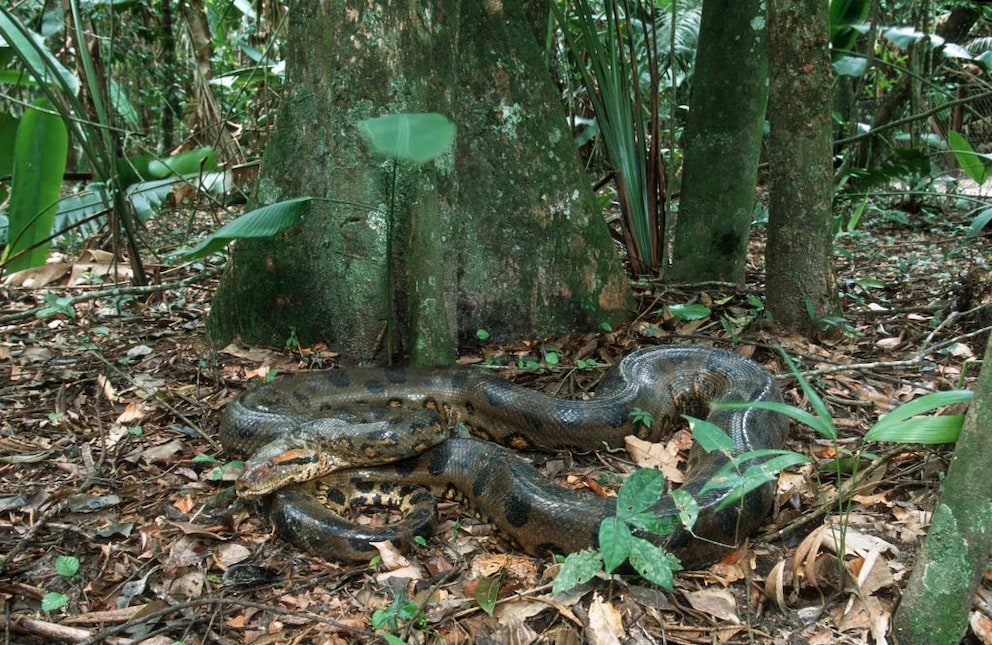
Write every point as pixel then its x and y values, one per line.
pixel 719 603
pixel 605 624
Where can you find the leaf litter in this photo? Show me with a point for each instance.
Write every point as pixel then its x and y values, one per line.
pixel 106 455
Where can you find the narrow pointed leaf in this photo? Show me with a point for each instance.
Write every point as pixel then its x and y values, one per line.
pixel 261 222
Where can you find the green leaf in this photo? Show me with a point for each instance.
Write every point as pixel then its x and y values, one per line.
pixel 614 542
pixel 40 149
pixel 905 36
pixel 930 430
pixel 261 222
pixel 971 163
pixel 66 566
pixel 853 66
pixel 408 137
pixel 578 568
pixel 688 508
pixel 901 417
pixel 689 312
pixel 30 49
pixel 979 222
pixel 53 600
pixel 823 425
pixel 390 638
pixel 710 436
pixel 653 563
pixel 191 162
pixel 487 593
pixel 639 492
pixel 652 522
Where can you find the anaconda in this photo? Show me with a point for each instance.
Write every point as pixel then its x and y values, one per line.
pixel 645 395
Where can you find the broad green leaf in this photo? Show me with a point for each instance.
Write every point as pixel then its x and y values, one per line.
pixel 614 542
pixel 66 565
pixel 53 600
pixel 579 567
pixel 853 66
pixel 641 490
pixel 487 593
pixel 652 522
pixel 971 163
pixel 261 222
pixel 40 149
pixel 653 563
pixel 408 137
pixel 688 508
pixel 191 162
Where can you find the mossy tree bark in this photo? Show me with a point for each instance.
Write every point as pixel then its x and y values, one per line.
pixel 937 600
pixel 526 251
pixel 722 143
pixel 800 284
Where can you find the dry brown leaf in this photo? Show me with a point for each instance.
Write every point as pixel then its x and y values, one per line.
pixel 392 559
pixel 664 456
pixel 133 412
pixel 605 624
pixel 719 603
pixel 981 626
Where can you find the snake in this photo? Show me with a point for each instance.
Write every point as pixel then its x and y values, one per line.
pixel 321 440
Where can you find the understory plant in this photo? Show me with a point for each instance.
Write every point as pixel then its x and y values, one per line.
pixel 908 423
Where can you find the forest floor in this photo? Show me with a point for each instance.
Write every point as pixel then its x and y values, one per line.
pixel 109 408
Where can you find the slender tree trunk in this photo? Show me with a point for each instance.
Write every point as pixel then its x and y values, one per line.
pixel 526 251
pixel 723 143
pixel 937 600
pixel 800 284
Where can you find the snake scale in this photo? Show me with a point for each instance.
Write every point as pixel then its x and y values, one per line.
pixel 301 426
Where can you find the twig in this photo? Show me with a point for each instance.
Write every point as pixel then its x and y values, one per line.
pixel 113 292
pixel 200 602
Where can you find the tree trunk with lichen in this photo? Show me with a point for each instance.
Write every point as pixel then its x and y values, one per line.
pixel 525 250
pixel 937 600
pixel 722 143
pixel 800 284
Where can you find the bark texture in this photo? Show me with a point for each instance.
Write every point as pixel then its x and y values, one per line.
pixel 800 284
pixel 525 250
pixel 723 143
pixel 937 600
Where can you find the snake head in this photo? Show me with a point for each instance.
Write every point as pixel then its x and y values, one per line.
pixel 284 461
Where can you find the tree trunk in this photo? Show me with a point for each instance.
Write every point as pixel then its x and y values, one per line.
pixel 526 252
pixel 723 143
pixel 937 600
pixel 800 284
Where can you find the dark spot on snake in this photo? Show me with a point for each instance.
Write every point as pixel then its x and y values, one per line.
pixel 498 393
pixel 532 419
pixel 363 486
pixel 337 378
pixel 459 377
pixel 335 496
pixel 517 510
pixel 438 462
pixel 469 407
pixel 615 415
pixel 395 375
pixel 375 387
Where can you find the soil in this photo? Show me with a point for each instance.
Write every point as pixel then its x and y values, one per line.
pixel 109 406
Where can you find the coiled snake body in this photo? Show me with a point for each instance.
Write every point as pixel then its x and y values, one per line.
pixel 301 426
